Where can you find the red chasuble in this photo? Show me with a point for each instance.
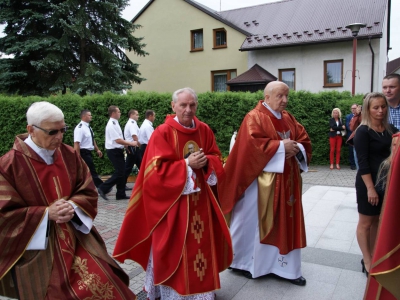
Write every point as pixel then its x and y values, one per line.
pixel 281 220
pixel 74 265
pixel 187 233
pixel 384 279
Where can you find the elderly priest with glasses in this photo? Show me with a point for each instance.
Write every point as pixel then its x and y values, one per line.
pixel 49 246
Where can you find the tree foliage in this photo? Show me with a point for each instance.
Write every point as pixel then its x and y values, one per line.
pixel 71 44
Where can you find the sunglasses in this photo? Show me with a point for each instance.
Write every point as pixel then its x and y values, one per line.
pixel 54 131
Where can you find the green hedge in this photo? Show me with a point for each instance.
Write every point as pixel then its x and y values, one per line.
pixel 223 112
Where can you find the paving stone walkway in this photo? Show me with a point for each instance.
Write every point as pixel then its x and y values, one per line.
pixel 330 263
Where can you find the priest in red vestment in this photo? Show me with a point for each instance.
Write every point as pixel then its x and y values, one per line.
pixel 262 190
pixel 384 280
pixel 49 246
pixel 174 227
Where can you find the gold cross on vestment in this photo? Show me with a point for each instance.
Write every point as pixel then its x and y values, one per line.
pixel 196 196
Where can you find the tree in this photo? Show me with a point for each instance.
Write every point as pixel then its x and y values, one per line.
pixel 72 44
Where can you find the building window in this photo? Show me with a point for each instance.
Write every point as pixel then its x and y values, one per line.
pixel 219 38
pixel 196 40
pixel 220 78
pixel 333 73
pixel 288 76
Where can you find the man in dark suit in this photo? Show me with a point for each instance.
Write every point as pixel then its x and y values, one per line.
pixel 348 133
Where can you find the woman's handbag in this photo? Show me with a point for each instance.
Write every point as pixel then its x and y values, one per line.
pixel 343 132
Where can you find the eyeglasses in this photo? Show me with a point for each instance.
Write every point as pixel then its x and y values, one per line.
pixel 54 131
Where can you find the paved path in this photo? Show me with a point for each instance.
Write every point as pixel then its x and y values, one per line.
pixel 330 263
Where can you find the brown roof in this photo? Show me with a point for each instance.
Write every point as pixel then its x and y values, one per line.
pixel 293 22
pixel 255 74
pixel 392 66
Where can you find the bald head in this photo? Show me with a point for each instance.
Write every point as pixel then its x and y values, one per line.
pixel 276 95
pixel 272 85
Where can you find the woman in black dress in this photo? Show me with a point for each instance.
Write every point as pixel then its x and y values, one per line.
pixel 372 142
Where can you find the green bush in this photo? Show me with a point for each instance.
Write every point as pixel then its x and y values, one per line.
pixel 223 112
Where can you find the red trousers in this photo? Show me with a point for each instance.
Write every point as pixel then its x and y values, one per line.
pixel 336 144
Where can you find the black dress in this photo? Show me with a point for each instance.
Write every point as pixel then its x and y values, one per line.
pixel 372 149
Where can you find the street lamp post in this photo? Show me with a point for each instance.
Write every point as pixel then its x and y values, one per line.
pixel 355 28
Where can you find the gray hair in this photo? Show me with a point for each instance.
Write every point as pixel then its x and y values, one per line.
pixel 184 90
pixel 43 111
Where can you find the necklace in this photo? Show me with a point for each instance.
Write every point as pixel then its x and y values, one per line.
pixel 378 133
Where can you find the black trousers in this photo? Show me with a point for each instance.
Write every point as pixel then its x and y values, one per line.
pixel 88 158
pixel 131 160
pixel 116 157
pixel 142 150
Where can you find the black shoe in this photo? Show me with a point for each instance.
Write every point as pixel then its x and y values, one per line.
pixel 101 193
pixel 247 274
pixel 127 188
pixel 301 281
pixel 363 269
pixel 353 167
pixel 122 198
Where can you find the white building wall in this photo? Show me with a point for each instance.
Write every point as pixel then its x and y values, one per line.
pixel 308 61
pixel 383 59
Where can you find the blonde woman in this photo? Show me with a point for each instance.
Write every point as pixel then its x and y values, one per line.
pixel 335 136
pixel 372 142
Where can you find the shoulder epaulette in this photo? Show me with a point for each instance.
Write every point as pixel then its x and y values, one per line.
pixel 113 122
pixel 80 125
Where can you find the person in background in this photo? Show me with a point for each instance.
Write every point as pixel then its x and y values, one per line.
pixel 50 248
pixel 261 191
pixel 335 137
pixel 174 227
pixel 85 143
pixel 146 130
pixel 131 133
pixel 348 134
pixel 354 123
pixel 115 151
pixel 391 90
pixel 372 141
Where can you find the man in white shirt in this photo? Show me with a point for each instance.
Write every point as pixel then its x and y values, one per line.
pixel 115 151
pixel 85 143
pixel 131 133
pixel 146 130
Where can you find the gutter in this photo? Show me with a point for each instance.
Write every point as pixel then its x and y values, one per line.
pixel 372 65
pixel 306 43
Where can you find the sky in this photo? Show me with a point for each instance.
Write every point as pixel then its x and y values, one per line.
pixel 136 5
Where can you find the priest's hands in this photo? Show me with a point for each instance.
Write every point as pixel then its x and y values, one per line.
pixel 197 160
pixel 291 148
pixel 61 211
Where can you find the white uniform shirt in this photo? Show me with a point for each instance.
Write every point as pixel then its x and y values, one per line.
pixel 131 128
pixel 145 132
pixel 83 135
pixel 113 132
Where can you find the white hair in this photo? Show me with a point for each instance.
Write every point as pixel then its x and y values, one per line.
pixel 184 90
pixel 43 111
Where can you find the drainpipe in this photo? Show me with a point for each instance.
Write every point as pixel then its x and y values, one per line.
pixel 372 66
